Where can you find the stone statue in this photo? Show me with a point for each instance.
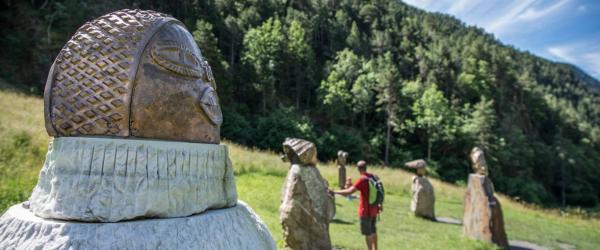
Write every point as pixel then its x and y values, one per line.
pixel 478 162
pixel 133 109
pixel 423 196
pixel 342 156
pixel 306 207
pixel 482 217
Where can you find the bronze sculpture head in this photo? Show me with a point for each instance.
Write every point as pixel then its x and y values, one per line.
pixel 132 73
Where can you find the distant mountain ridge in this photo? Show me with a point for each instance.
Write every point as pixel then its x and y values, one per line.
pixel 585 77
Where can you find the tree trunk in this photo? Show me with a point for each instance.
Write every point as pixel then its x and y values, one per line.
pixel 298 95
pixel 264 102
pixel 428 148
pixel 231 55
pixel 387 141
pixel 563 196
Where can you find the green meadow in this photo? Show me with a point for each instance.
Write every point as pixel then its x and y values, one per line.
pixel 260 176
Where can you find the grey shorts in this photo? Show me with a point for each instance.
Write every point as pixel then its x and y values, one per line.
pixel 368 225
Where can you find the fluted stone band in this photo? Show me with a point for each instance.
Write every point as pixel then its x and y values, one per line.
pixel 109 180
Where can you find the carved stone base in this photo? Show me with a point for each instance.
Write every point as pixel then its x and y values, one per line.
pixel 231 228
pixel 109 180
pixel 482 218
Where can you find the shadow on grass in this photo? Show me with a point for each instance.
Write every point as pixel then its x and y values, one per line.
pixel 343 222
pixel 448 220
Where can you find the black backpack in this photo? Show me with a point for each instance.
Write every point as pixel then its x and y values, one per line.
pixel 376 191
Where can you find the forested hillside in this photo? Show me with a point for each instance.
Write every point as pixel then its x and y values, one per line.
pixel 380 79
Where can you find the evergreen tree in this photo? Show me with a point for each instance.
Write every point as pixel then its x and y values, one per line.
pixel 263 48
pixel 301 60
pixel 432 114
pixel 388 89
pixel 479 123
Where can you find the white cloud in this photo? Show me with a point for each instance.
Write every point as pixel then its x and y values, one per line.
pixel 523 11
pixel 423 4
pixel 509 15
pixel 462 6
pixel 583 54
pixel 582 8
pixel 564 53
pixel 592 61
pixel 532 14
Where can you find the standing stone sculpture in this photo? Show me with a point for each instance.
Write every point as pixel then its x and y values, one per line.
pixel 342 156
pixel 133 109
pixel 482 219
pixel 306 208
pixel 423 196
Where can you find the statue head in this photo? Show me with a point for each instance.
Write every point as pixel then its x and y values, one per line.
pixel 299 151
pixel 478 162
pixel 419 165
pixel 133 73
pixel 342 156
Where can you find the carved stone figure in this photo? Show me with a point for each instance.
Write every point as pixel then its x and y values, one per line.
pixel 482 217
pixel 423 196
pixel 128 75
pixel 342 156
pixel 478 162
pixel 306 208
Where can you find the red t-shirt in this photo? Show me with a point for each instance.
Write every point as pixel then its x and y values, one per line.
pixel 364 209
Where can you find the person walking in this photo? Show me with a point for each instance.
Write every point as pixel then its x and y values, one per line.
pixel 367 212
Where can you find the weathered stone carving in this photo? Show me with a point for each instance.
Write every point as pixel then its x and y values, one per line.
pixel 299 151
pixel 233 228
pixel 125 75
pixel 132 73
pixel 102 179
pixel 423 196
pixel 482 217
pixel 342 156
pixel 478 162
pixel 306 208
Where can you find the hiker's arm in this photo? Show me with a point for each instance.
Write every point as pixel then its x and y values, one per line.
pixel 347 191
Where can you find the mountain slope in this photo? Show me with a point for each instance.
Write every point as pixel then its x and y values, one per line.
pixel 380 79
pixel 259 178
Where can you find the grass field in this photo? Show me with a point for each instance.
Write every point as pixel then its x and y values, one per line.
pixel 259 178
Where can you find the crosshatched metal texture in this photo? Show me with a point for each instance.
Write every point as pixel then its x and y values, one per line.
pixel 94 82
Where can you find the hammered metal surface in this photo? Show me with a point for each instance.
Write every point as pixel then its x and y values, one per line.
pixel 101 70
pixel 172 100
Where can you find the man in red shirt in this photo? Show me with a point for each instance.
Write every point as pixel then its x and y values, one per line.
pixel 366 212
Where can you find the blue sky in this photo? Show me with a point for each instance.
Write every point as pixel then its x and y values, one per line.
pixel 559 30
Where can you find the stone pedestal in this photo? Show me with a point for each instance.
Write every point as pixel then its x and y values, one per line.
pixel 155 194
pixel 306 209
pixel 482 218
pixel 109 180
pixel 231 228
pixel 423 198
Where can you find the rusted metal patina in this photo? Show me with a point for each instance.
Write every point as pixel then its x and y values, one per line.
pixel 133 73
